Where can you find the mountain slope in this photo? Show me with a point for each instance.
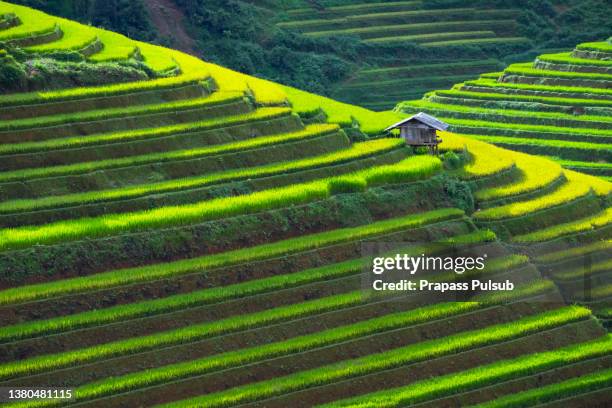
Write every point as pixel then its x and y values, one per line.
pixel 556 106
pixel 196 240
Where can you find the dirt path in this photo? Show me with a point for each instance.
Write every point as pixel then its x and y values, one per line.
pixel 169 21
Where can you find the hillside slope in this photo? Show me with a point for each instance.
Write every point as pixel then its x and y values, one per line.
pixel 196 240
pixel 557 106
pixel 412 47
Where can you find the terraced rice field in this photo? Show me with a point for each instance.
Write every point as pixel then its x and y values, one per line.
pixel 403 21
pixel 557 106
pixel 395 23
pixel 196 240
pixel 407 82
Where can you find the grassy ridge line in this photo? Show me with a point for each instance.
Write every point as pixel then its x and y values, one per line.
pixel 140 134
pixel 419 28
pixel 508 113
pixel 230 359
pixel 574 252
pixel 120 112
pixel 266 93
pixel 370 122
pixel 492 75
pixel 354 152
pixel 553 392
pixel 157 58
pixel 420 38
pixel 536 173
pixel 583 164
pixel 406 81
pixel 214 295
pixel 233 324
pixel 492 83
pixel 494 40
pixel 603 46
pixel 486 159
pixel 122 48
pixel 428 67
pixel 561 144
pixel 305 24
pixel 479 376
pixel 396 17
pixel 183 301
pixel 461 94
pixel 581 225
pixel 33 23
pixel 32 98
pixel 74 38
pixel 158 271
pixel 528 69
pixel 583 271
pixel 471 123
pixel 566 58
pixel 601 292
pixel 577 186
pixel 386 360
pixel 353 8
pixel 181 154
pixel 413 168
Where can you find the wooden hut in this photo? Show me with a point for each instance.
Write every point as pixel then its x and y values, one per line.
pixel 420 130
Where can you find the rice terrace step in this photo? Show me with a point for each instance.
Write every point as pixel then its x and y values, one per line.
pixel 177 233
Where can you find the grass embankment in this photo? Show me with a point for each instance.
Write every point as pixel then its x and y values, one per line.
pixel 404 355
pixel 570 149
pixel 389 32
pixel 567 58
pixel 389 359
pixel 515 129
pixel 413 168
pixel 528 69
pixel 480 376
pixel 219 294
pixel 433 37
pixel 535 173
pixel 413 70
pixel 354 152
pixel 77 36
pixel 158 271
pixel 579 91
pixel 247 321
pixel 463 94
pixel 33 23
pixel 565 253
pixel 485 159
pixel 121 112
pixel 74 38
pixel 583 271
pixel 142 134
pixel 603 46
pixel 369 122
pixel 575 227
pixel 553 392
pixel 506 115
pixel 577 186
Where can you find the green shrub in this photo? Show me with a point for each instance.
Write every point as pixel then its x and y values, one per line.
pixel 13 75
pixel 451 160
